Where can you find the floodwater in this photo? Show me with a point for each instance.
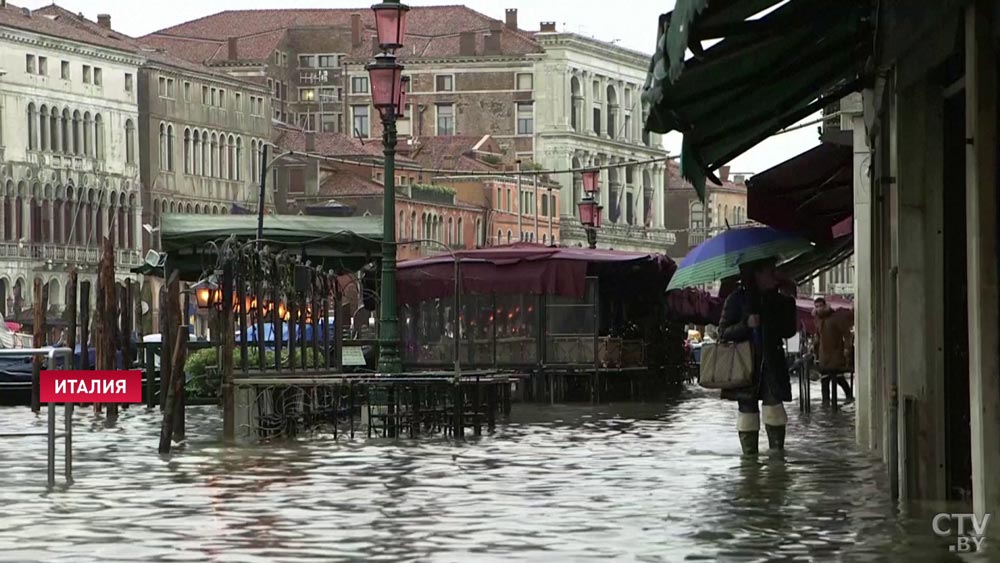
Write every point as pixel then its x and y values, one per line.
pixel 653 482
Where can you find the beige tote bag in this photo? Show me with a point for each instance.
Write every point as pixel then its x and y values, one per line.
pixel 726 365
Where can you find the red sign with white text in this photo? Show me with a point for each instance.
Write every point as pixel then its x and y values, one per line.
pixel 72 386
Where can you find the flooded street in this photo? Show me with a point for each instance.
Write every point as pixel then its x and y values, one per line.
pixel 565 483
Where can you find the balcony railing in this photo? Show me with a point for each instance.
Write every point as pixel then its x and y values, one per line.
pixel 62 254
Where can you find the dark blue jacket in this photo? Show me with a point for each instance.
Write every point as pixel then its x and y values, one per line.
pixel 778 317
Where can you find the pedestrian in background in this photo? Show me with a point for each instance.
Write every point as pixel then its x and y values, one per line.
pixel 833 347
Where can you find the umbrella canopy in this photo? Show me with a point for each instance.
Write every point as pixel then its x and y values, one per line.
pixel 721 256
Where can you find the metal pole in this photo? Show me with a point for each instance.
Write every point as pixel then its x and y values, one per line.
pixel 520 200
pixel 535 206
pixel 552 212
pixel 458 319
pixel 261 197
pixel 52 444
pixel 389 361
pixel 68 441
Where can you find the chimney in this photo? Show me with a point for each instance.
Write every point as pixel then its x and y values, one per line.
pixel 234 52
pixel 449 162
pixel 310 141
pixel 724 173
pixel 467 43
pixel 548 27
pixel 355 30
pixel 491 44
pixel 104 20
pixel 512 18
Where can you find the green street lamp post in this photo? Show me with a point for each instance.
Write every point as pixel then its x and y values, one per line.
pixel 387 87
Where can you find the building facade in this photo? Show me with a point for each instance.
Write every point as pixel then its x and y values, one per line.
pixel 589 113
pixel 692 221
pixel 201 137
pixel 68 146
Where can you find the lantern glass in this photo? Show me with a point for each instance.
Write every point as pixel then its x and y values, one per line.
pixel 587 209
pixel 203 294
pixel 590 181
pixel 390 24
pixel 404 83
pixel 597 216
pixel 385 76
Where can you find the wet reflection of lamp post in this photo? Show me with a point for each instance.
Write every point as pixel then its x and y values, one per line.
pixel 387 92
pixel 590 209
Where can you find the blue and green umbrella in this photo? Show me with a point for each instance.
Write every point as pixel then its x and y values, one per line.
pixel 720 256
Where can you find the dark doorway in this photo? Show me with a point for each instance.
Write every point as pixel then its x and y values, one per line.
pixel 958 442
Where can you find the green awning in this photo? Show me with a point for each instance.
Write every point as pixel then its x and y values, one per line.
pixel 765 74
pixel 344 244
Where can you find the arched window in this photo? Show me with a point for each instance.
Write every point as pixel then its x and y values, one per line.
pixel 32 125
pixel 253 163
pixel 545 239
pixel 88 134
pixel 232 158
pixel 129 141
pixel 66 132
pixel 43 130
pixel 413 224
pixel 77 143
pixel 450 235
pixel 459 234
pixel 122 224
pixel 187 150
pixel 612 112
pixel 214 157
pixel 206 157
pixel 98 136
pixel 499 237
pixel 223 157
pixel 239 159
pixel 197 208
pixel 170 148
pixel 55 144
pixel 163 146
pixel 479 233
pixel 130 230
pixel 576 116
pixel 509 234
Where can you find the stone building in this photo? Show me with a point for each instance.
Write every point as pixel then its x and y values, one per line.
pixel 199 133
pixel 69 151
pixel 468 71
pixel 589 113
pixel 692 221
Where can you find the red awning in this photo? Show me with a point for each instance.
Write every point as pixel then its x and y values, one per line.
pixel 809 194
pixel 521 269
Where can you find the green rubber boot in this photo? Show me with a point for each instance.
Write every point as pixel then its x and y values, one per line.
pixel 775 437
pixel 749 441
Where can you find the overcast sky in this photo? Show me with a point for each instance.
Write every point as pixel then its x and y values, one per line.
pixel 633 25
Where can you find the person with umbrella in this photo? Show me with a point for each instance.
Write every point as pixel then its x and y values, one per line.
pixel 759 310
pixel 761 313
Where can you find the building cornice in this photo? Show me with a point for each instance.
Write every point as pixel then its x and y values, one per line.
pixel 78 48
pixel 206 77
pixel 580 141
pixel 595 47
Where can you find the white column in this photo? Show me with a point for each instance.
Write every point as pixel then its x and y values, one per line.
pixel 864 322
pixel 981 203
pixel 659 212
pixel 640 191
pixel 586 83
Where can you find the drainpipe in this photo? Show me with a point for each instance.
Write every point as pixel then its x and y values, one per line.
pixel 893 446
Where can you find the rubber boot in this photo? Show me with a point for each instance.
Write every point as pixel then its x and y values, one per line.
pixel 749 442
pixel 775 419
pixel 748 426
pixel 775 437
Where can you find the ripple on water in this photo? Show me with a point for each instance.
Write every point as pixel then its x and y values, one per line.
pixel 651 482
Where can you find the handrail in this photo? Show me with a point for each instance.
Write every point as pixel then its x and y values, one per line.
pixel 67 356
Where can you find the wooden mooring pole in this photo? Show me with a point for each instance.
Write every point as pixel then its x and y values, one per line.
pixel 71 307
pixel 174 389
pixel 106 338
pixel 40 306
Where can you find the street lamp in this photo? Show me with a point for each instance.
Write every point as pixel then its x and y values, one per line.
pixel 387 85
pixel 590 210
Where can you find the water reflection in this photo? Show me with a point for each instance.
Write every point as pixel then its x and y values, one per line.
pixel 647 482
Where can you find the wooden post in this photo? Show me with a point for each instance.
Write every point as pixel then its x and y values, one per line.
pixel 176 385
pixel 84 325
pixel 71 306
pixel 166 329
pixel 228 344
pixel 981 224
pixel 40 306
pixel 106 339
pixel 178 329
